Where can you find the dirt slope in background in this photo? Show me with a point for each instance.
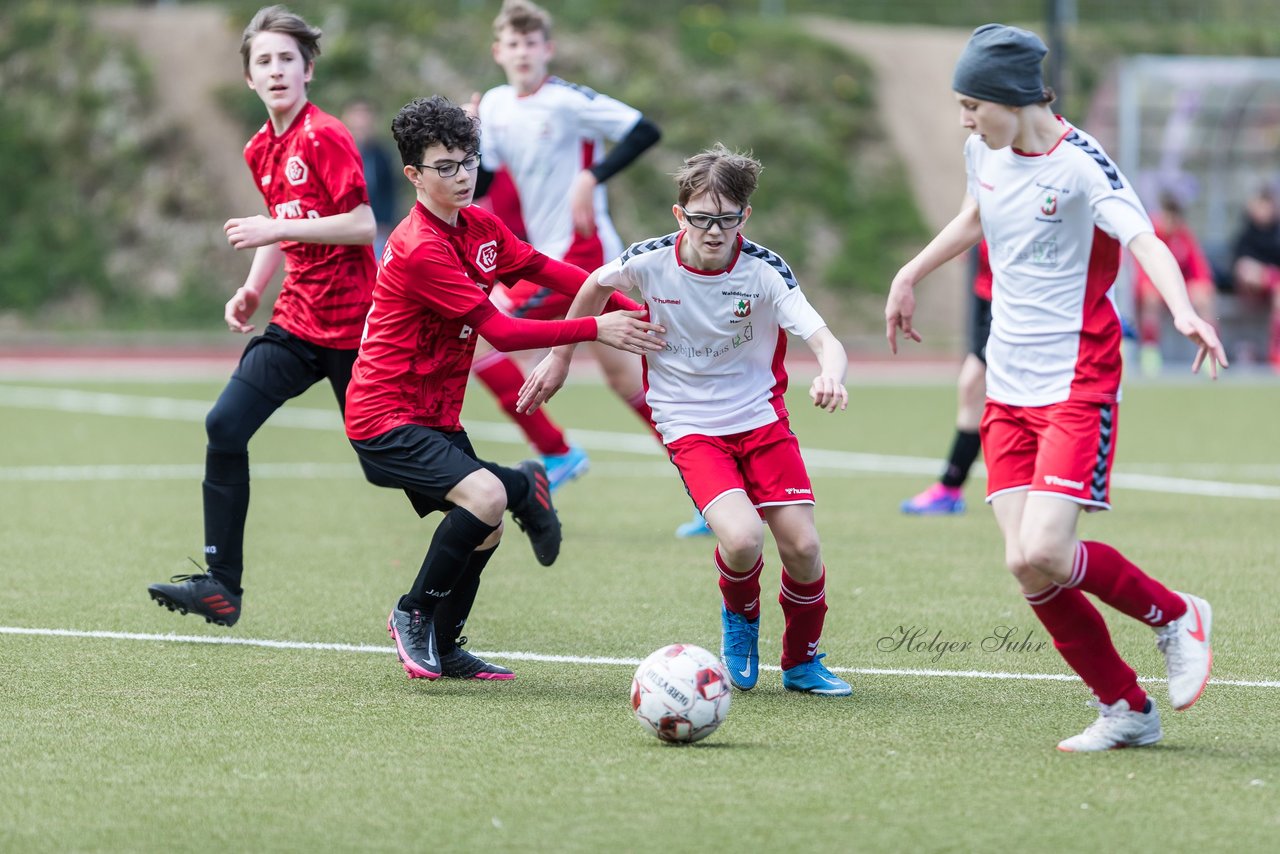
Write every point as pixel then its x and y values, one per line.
pixel 913 78
pixel 193 51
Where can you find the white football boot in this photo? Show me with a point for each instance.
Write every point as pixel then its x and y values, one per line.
pixel 1117 726
pixel 1187 656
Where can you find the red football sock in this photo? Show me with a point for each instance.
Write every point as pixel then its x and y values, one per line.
pixel 741 592
pixel 503 378
pixel 804 606
pixel 1080 635
pixel 1101 570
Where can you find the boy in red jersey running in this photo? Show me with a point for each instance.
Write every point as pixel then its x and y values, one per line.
pixel 430 303
pixel 321 228
pixel 1055 212
pixel 717 395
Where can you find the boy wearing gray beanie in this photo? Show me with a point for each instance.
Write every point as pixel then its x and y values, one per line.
pixel 1055 212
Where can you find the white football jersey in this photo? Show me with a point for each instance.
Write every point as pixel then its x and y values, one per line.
pixel 545 140
pixel 1054 224
pixel 722 371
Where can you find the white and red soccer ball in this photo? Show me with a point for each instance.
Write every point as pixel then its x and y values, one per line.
pixel 681 693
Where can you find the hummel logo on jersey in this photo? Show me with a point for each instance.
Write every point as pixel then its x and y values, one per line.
pixel 795 490
pixel 487 256
pixel 1054 480
pixel 295 171
pixel 666 301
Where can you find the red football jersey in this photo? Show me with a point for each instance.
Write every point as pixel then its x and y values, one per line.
pixel 416 353
pixel 314 170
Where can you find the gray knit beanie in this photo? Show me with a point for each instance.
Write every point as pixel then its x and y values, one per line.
pixel 1001 64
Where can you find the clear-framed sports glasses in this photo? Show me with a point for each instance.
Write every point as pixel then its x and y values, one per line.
pixel 450 167
pixel 705 221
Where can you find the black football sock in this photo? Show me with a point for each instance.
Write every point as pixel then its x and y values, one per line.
pixel 457 536
pixel 964 451
pixel 453 610
pixel 226 504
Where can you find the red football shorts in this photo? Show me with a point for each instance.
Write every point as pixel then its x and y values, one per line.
pixel 1062 449
pixel 534 302
pixel 765 463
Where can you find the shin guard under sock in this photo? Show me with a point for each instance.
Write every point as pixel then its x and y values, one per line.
pixel 226 506
pixel 459 534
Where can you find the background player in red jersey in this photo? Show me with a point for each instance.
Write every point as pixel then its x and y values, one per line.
pixel 1055 212
pixel 321 228
pixel 430 302
pixel 549 135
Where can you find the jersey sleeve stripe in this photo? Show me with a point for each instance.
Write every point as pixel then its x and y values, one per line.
pixel 648 246
pixel 773 259
pixel 1108 168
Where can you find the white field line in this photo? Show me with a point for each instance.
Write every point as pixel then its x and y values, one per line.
pixel 559 659
pixel 178 409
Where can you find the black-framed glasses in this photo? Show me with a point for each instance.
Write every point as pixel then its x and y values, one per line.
pixel 450 167
pixel 705 221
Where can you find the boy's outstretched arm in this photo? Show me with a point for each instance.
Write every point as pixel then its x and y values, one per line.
pixel 827 390
pixel 549 375
pixel 1162 268
pixel 963 232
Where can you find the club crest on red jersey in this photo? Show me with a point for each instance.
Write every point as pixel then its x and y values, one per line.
pixel 295 171
pixel 741 307
pixel 487 256
pixel 1049 204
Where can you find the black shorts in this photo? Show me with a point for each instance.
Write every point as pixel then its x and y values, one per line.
pixel 281 366
pixel 425 463
pixel 979 325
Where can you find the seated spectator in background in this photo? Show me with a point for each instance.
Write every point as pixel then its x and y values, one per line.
pixel 1171 227
pixel 1256 266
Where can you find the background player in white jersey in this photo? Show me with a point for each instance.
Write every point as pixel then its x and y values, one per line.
pixel 717 395
pixel 1055 212
pixel 549 135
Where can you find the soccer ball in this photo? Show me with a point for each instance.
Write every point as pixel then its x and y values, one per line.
pixel 680 693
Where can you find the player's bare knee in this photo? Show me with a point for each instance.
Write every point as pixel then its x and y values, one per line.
pixel 1047 558
pixel 741 547
pixel 482 495
pixel 804 553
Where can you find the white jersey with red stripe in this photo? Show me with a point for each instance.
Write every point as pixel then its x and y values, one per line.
pixel 545 139
pixel 722 371
pixel 1054 225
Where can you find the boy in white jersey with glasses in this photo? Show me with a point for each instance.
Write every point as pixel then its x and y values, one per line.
pixel 1055 212
pixel 716 391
